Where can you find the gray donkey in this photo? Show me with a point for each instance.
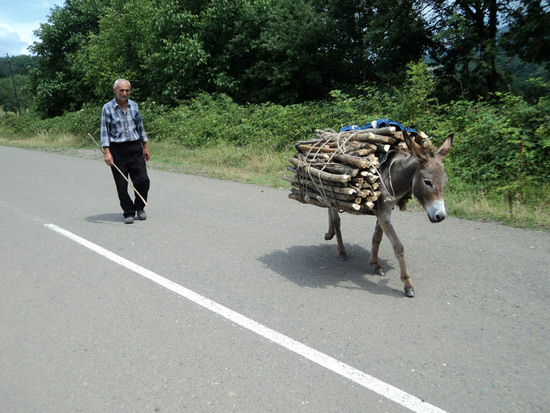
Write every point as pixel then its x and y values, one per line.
pixel 419 172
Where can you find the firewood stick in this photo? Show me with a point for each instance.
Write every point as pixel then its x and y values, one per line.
pixel 316 200
pixel 319 182
pixel 312 155
pixel 369 177
pixel 367 135
pixel 316 149
pixel 317 173
pixel 359 152
pixel 326 193
pixel 356 145
pixel 323 186
pixel 352 161
pixel 336 168
pixel 310 184
pixel 372 138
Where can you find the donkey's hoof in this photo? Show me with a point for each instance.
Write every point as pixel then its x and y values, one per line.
pixel 380 272
pixel 409 292
pixel 343 256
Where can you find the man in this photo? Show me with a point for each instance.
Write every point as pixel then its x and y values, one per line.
pixel 124 143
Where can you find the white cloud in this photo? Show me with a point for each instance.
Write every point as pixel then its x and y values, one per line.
pixel 18 20
pixel 16 38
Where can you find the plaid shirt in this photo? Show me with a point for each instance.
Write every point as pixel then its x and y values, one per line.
pixel 117 126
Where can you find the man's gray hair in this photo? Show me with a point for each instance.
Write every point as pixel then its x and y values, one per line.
pixel 115 85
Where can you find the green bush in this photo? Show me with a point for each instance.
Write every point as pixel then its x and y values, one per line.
pixel 501 146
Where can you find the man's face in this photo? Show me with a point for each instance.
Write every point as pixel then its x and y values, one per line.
pixel 122 91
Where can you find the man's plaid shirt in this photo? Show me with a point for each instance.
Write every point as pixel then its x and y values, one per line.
pixel 117 126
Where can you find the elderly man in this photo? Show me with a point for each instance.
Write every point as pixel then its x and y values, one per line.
pixel 124 143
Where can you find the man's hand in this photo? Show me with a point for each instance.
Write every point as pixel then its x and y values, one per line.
pixel 146 154
pixel 108 157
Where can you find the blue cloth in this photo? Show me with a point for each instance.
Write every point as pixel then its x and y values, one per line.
pixel 380 123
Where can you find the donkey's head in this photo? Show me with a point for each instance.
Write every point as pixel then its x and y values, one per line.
pixel 430 177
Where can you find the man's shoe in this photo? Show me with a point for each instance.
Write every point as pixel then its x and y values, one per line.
pixel 141 215
pixel 128 220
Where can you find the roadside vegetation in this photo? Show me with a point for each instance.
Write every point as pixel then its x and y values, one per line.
pixel 499 168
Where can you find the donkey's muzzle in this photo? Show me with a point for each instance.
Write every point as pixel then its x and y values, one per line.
pixel 436 211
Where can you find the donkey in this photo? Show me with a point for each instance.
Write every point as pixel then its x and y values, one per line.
pixel 420 172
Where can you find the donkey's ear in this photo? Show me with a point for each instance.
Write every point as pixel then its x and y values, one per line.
pixel 446 147
pixel 417 150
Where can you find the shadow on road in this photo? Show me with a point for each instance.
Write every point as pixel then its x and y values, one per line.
pixel 320 267
pixel 98 219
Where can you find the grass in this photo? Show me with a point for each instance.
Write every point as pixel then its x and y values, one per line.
pixel 260 165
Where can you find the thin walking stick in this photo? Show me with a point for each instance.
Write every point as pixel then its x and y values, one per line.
pixel 124 176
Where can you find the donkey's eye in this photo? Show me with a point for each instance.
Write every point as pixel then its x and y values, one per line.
pixel 428 183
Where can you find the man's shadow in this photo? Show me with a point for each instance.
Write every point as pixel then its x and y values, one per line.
pixel 318 266
pixel 102 218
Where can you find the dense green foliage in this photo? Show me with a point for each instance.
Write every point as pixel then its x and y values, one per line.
pixel 280 51
pixel 502 145
pixel 18 99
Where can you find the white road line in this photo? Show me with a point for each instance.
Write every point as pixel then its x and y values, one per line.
pixel 372 383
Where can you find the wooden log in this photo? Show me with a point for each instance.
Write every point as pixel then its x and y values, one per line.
pixel 380 147
pixel 316 149
pixel 390 130
pixel 361 135
pixel 310 184
pixel 336 168
pixel 360 191
pixel 370 178
pixel 369 205
pixel 325 192
pixel 326 202
pixel 342 208
pixel 320 174
pixel 318 156
pixel 372 138
pixel 359 152
pixel 303 176
pixel 352 161
pixel 356 145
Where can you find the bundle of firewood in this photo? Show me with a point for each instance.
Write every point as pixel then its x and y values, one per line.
pixel 342 169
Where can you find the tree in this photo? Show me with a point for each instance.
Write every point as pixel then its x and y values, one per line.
pixel 528 36
pixel 373 40
pixel 56 83
pixel 153 44
pixel 8 101
pixel 20 65
pixel 468 43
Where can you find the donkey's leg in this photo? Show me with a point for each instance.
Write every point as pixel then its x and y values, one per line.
pixel 334 228
pixel 330 233
pixel 376 240
pixel 398 250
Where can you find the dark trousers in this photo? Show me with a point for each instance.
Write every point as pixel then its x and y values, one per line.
pixel 128 156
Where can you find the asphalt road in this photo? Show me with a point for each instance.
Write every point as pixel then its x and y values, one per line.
pixel 83 333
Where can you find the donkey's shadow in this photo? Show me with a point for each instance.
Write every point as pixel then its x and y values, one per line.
pixel 318 266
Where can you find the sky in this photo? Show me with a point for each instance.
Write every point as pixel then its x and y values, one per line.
pixel 18 20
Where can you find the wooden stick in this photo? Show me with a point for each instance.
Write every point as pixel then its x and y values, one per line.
pixel 315 199
pixel 319 174
pixel 124 176
pixel 316 149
